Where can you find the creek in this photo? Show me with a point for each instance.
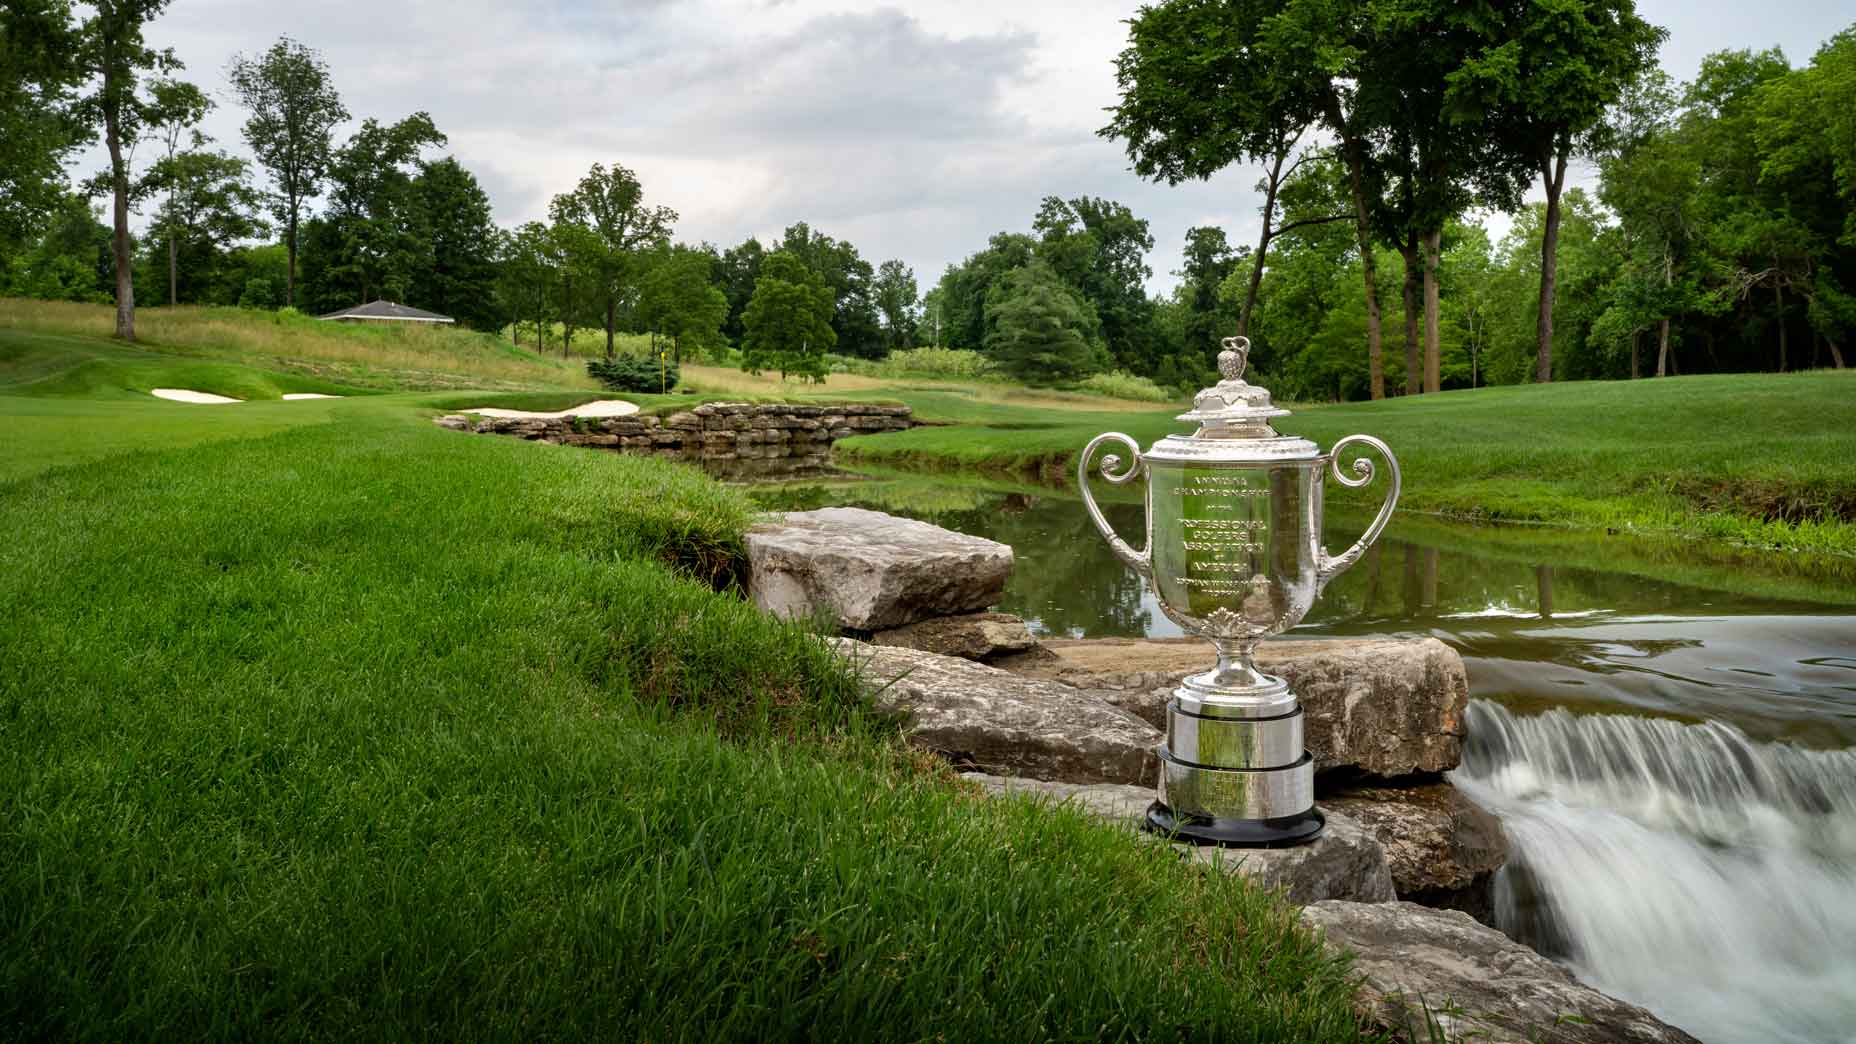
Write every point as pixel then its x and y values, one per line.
pixel 1667 732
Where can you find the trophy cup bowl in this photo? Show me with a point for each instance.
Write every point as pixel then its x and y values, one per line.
pixel 1233 553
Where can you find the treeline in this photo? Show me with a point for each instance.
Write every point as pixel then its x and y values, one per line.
pixel 1721 234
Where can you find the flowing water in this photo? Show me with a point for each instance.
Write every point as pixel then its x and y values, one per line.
pixel 1669 739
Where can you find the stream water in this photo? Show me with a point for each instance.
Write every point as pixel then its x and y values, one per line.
pixel 1668 737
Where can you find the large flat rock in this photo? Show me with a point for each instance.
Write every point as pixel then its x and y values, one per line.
pixel 869 570
pixel 1443 847
pixel 971 636
pixel 1389 707
pixel 1003 723
pixel 1345 862
pixel 1441 967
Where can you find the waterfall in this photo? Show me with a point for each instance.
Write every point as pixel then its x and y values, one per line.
pixel 1686 868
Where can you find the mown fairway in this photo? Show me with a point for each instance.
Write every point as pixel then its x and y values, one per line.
pixel 1768 460
pixel 320 721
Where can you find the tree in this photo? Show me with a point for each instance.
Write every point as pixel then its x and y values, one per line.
pixel 1042 331
pixel 462 245
pixel 40 122
pixel 293 110
pixel 1208 83
pixel 788 320
pixel 895 294
pixel 523 277
pixel 69 261
pixel 1099 247
pixel 210 204
pixel 677 300
pixel 373 239
pixel 110 47
pixel 1545 82
pixel 964 289
pixel 179 107
pixel 614 226
pixel 734 272
pixel 836 264
pixel 1208 262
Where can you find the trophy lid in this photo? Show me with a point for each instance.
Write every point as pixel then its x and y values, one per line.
pixel 1234 419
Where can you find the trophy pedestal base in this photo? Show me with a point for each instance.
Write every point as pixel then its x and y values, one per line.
pixel 1283 832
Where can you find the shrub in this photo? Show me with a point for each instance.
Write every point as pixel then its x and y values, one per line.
pixel 632 374
pixel 935 362
pixel 1119 385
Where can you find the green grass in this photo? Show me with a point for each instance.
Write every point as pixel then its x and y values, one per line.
pixel 318 721
pixel 1762 460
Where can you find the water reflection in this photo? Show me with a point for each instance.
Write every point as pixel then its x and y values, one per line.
pixel 1546 619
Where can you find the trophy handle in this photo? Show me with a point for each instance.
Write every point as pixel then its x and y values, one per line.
pixel 1140 561
pixel 1329 567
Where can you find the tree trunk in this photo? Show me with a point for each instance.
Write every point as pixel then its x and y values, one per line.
pixel 1543 583
pixel 1263 243
pixel 567 311
pixel 609 306
pixel 1553 175
pixel 1635 336
pixel 290 269
pixel 119 184
pixel 1408 249
pixel 1662 333
pixel 173 274
pixel 1778 298
pixel 1375 365
pixel 1433 319
pixel 1836 354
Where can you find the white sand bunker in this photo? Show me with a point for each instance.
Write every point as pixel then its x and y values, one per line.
pixel 602 408
pixel 189 395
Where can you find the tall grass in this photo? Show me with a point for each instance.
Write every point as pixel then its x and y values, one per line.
pixel 397 356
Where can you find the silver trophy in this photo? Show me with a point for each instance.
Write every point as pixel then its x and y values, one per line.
pixel 1234 554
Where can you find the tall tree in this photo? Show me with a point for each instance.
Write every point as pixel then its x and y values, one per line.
pixel 294 108
pixel 40 121
pixel 1099 247
pixel 462 245
pixel 111 49
pixel 608 208
pixel 523 278
pixel 1546 80
pixel 1207 83
pixel 375 221
pixel 836 263
pixel 210 203
pixel 676 299
pixel 895 293
pixel 734 272
pixel 1042 331
pixel 178 109
pixel 788 321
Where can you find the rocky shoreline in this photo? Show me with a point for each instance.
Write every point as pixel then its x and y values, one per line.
pixel 1402 876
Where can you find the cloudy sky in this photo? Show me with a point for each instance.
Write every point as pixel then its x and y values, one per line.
pixel 914 130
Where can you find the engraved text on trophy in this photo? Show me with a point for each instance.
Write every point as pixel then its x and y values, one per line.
pixel 1227 539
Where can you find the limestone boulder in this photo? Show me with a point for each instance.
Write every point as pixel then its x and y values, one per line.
pixel 1388 707
pixel 1002 723
pixel 1345 862
pixel 1443 847
pixel 1426 968
pixel 971 636
pixel 870 570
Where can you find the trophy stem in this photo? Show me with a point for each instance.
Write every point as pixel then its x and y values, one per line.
pixel 1235 669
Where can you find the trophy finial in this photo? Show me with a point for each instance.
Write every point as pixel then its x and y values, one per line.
pixel 1231 361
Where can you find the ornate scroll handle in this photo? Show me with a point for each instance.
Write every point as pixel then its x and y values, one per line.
pixel 1140 561
pixel 1329 567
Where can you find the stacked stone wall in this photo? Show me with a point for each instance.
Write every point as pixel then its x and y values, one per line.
pixel 762 437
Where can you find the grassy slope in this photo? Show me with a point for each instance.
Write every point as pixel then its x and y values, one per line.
pixel 332 723
pixel 1761 459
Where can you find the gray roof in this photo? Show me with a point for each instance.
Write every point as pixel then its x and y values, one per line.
pixel 388 310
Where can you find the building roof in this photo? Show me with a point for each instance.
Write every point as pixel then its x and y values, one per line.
pixel 389 311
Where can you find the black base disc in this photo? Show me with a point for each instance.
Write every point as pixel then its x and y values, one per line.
pixel 1282 832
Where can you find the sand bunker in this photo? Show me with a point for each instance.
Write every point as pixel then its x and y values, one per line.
pixel 188 395
pixel 602 408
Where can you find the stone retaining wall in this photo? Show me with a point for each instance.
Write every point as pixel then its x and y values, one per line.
pixel 767 438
